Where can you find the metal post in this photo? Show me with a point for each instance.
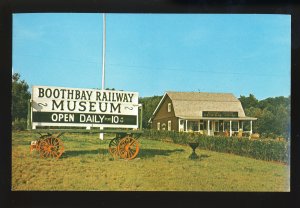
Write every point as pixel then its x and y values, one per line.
pixel 103 51
pixel 101 135
pixel 141 117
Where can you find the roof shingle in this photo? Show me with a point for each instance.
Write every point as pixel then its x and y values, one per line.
pixel 191 104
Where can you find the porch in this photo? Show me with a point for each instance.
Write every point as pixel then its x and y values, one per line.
pixel 220 126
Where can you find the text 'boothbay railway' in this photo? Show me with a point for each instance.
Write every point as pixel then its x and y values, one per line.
pixel 60 106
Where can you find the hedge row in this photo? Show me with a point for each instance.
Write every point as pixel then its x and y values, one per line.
pixel 19 124
pixel 266 149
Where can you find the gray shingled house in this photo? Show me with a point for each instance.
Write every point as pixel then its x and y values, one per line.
pixel 206 113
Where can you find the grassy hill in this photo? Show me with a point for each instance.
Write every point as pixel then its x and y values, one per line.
pixel 159 166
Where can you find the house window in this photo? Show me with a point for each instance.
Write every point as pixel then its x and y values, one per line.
pixel 181 122
pixel 217 126
pixel 220 125
pixel 234 125
pixel 169 125
pixel 226 125
pixel 158 125
pixel 201 125
pixel 169 107
pixel 193 126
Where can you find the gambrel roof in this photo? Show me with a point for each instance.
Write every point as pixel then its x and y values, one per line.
pixel 189 105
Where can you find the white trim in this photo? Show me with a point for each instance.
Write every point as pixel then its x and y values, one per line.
pixel 169 125
pixel 180 127
pixel 230 128
pixel 208 127
pixel 219 118
pixel 186 128
pixel 35 124
pixel 169 107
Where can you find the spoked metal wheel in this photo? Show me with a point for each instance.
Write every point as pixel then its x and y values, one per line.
pixel 35 145
pixel 128 147
pixel 113 147
pixel 51 147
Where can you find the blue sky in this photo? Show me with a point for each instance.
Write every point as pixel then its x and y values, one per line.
pixel 154 53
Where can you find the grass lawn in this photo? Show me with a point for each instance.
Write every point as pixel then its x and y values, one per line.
pixel 160 166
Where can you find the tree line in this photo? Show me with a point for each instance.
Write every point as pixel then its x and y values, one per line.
pixel 273 114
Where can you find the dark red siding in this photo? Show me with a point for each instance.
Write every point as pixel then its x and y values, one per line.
pixel 163 116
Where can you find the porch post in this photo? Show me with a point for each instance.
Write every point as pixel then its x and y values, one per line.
pixel 208 127
pixel 223 124
pixel 230 128
pixel 243 125
pixel 186 125
pixel 251 127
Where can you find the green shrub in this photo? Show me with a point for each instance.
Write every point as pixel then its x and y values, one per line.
pixel 266 149
pixel 19 124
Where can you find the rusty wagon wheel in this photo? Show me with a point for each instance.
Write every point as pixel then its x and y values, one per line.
pixel 113 147
pixel 128 148
pixel 35 145
pixel 51 147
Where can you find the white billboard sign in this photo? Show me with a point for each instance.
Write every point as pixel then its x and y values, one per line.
pixel 60 106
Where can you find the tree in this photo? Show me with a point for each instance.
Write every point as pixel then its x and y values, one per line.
pixel 273 114
pixel 20 97
pixel 256 113
pixel 149 105
pixel 248 102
